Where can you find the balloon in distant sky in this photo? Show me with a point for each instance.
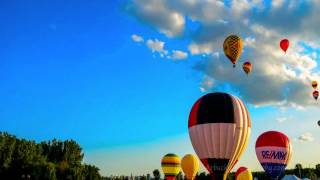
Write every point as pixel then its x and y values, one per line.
pixel 315 94
pixel 219 129
pixel 243 173
pixel 314 84
pixel 274 151
pixel 190 165
pixel 232 47
pixel 284 44
pixel 247 66
pixel 170 165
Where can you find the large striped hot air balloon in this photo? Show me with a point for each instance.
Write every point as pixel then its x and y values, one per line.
pixel 274 151
pixel 190 165
pixel 232 47
pixel 170 165
pixel 243 173
pixel 219 129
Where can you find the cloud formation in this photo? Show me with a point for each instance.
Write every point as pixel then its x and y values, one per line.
pixel 277 78
pixel 177 54
pixel 136 38
pixel 306 137
pixel 157 46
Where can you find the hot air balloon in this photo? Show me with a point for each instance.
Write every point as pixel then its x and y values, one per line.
pixel 219 129
pixel 170 165
pixel 274 151
pixel 319 122
pixel 243 173
pixel 190 166
pixel 247 66
pixel 315 94
pixel 314 84
pixel 232 47
pixel 284 44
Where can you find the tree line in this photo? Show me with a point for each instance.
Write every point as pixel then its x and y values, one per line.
pixel 55 160
pixel 47 160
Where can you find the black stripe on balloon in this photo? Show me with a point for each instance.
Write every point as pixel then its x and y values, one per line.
pixel 218 166
pixel 216 108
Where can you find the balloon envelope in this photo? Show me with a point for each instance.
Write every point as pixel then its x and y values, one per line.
pixel 284 44
pixel 247 66
pixel 315 94
pixel 273 150
pixel 232 47
pixel 243 173
pixel 190 165
pixel 170 165
pixel 314 84
pixel 219 129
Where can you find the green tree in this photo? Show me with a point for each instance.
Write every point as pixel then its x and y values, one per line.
pixel 317 170
pixel 298 170
pixel 179 176
pixel 7 145
pixel 91 172
pixel 156 174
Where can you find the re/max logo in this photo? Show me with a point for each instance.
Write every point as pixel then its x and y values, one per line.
pixel 280 155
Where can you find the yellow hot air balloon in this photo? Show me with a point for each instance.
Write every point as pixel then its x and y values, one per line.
pixel 170 165
pixel 243 173
pixel 232 47
pixel 190 166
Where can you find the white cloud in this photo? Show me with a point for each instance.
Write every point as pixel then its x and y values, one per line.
pixel 196 49
pixel 137 38
pixel 206 84
pixel 157 46
pixel 277 3
pixel 306 137
pixel 156 13
pixel 281 119
pixel 249 41
pixel 176 54
pixel 277 78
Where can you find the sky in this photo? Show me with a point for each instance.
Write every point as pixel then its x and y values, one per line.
pixel 120 77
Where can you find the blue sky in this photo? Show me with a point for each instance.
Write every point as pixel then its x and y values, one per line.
pixel 71 70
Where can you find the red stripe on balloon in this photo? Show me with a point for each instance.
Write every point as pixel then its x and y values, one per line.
pixel 273 138
pixel 240 170
pixel 193 114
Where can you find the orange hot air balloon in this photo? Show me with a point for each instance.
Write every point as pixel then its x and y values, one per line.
pixel 232 47
pixel 284 44
pixel 247 66
pixel 314 84
pixel 190 166
pixel 315 94
pixel 219 129
pixel 243 173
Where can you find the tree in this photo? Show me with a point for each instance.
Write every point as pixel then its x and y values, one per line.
pixel 309 173
pixel 51 160
pixel 156 174
pixel 317 171
pixel 91 172
pixel 298 170
pixel 179 176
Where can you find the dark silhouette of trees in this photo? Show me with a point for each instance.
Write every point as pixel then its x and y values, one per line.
pixel 52 160
pixel 156 174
